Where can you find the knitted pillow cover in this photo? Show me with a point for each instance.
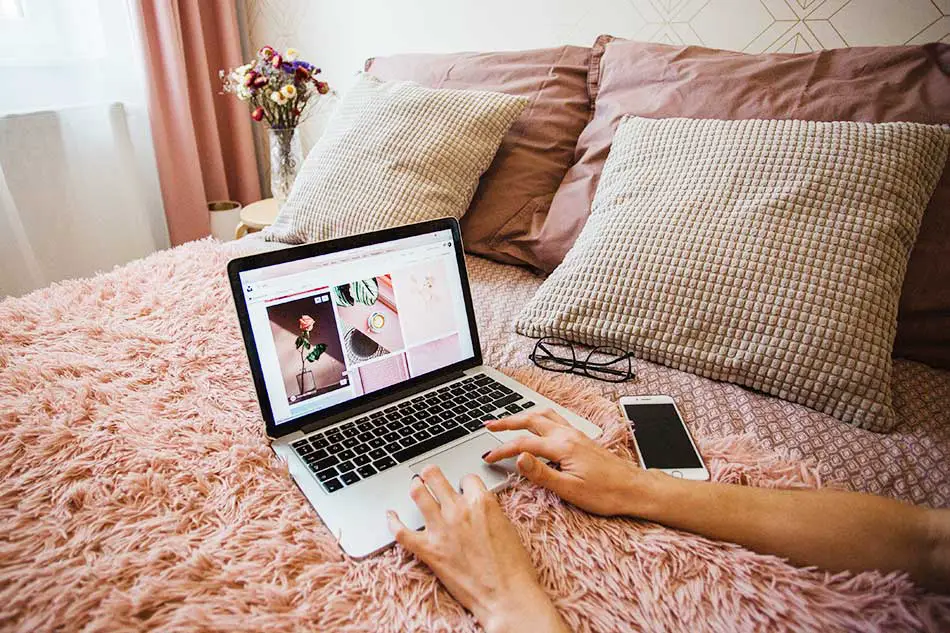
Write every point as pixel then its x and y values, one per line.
pixel 764 253
pixel 394 153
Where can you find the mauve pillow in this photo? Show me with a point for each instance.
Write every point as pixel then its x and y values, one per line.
pixel 876 85
pixel 512 200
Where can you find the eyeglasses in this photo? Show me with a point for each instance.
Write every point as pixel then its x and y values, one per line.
pixel 606 363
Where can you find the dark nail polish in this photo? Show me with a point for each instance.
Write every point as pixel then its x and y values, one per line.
pixel 485 454
pixel 415 476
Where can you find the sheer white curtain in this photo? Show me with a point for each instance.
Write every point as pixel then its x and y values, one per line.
pixel 79 188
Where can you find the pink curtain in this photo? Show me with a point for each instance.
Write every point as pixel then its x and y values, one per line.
pixel 203 140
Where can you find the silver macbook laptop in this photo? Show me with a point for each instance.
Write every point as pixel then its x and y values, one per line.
pixel 367 365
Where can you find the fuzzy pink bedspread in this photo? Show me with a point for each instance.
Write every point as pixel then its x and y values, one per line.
pixel 137 492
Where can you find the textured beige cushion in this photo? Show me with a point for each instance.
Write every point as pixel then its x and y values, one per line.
pixel 764 253
pixel 394 153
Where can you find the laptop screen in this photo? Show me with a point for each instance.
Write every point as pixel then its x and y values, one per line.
pixel 332 328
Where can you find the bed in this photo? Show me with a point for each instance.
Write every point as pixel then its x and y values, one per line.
pixel 139 492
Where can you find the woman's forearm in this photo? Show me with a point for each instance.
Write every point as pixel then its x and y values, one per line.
pixel 834 530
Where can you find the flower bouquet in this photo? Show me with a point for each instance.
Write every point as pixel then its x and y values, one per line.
pixel 278 89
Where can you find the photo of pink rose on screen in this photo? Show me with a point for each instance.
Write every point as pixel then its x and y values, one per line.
pixel 308 346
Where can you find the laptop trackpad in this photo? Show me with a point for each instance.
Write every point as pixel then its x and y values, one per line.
pixel 466 458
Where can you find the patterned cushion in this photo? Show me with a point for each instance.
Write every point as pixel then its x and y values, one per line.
pixel 394 153
pixel 765 253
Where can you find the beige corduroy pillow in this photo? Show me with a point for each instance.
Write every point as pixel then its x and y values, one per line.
pixel 765 253
pixel 394 153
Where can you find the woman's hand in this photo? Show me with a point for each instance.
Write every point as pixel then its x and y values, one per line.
pixel 590 476
pixel 474 550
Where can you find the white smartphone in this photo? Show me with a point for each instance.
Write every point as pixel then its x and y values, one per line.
pixel 661 437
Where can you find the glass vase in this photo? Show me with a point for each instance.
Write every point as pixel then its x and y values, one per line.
pixel 286 157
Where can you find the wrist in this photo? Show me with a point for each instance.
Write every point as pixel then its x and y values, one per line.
pixel 643 496
pixel 525 609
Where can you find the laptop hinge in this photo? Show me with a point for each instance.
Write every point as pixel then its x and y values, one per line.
pixel 381 402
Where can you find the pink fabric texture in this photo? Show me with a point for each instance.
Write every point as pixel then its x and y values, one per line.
pixel 512 200
pixel 874 84
pixel 203 142
pixel 911 463
pixel 382 373
pixel 137 491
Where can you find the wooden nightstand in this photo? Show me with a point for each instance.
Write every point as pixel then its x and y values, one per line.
pixel 256 216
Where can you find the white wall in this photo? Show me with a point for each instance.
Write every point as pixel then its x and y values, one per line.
pixel 339 35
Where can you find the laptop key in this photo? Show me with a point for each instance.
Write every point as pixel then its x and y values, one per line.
pixel 300 443
pixel 333 449
pixel 377 454
pixel 376 442
pixel 379 431
pixel 420 425
pixel 392 447
pixel 504 402
pixel 327 473
pixel 319 442
pixel 513 408
pixel 425 446
pixel 364 436
pixel 462 418
pixel 385 463
pixel 435 429
pixel 332 485
pixel 474 425
pixel 406 431
pixel 361 460
pixel 345 454
pixel 350 442
pixel 350 478
pixel 526 405
pixel 350 432
pixel 306 448
pixel 407 441
pixel 366 471
pixel 389 410
pixel 334 438
pixel 346 466
pixel 323 464
pixel 392 436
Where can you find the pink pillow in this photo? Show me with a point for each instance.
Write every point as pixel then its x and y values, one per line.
pixel 511 203
pixel 880 84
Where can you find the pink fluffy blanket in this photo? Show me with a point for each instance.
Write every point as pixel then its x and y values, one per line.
pixel 137 492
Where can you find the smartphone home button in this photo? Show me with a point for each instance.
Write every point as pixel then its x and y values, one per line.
pixel 677 473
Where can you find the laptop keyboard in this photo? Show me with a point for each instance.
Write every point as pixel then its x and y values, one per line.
pixel 347 454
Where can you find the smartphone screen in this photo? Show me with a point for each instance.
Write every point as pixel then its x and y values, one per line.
pixel 661 436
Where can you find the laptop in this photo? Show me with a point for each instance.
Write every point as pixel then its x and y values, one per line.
pixel 367 365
